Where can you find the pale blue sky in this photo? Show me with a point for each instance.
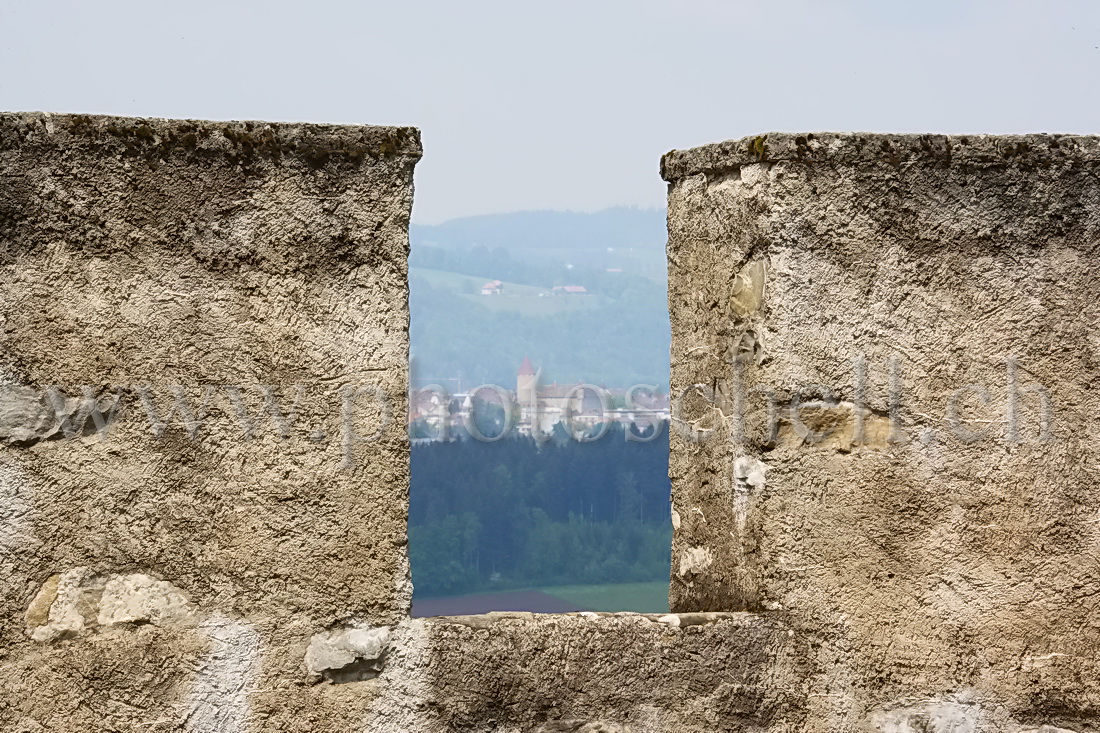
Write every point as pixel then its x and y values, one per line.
pixel 564 105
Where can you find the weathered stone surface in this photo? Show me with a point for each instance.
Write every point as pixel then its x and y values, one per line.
pixel 350 653
pixel 78 600
pixel 924 515
pixel 612 673
pixel 257 271
pixel 884 460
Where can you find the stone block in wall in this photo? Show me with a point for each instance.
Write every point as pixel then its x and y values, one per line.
pixel 883 369
pixel 203 374
pixel 591 673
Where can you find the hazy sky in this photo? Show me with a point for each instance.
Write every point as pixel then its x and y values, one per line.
pixel 562 104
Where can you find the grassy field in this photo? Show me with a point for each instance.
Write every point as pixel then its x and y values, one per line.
pixel 469 284
pixel 527 300
pixel 647 262
pixel 639 597
pixel 535 306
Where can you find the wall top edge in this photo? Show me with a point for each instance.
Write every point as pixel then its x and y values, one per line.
pixel 231 137
pixel 609 619
pixel 854 148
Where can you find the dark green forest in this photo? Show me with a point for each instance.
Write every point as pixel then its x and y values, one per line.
pixel 516 514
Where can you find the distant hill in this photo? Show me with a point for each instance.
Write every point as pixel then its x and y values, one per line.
pixel 620 226
pixel 615 334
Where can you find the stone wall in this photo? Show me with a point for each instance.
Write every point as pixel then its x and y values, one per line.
pixel 886 349
pixel 166 564
pixel 884 472
pixel 591 673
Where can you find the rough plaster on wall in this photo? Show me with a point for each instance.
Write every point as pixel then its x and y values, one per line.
pixel 694 560
pixel 523 672
pixel 79 601
pixel 122 648
pixel 218 701
pixel 918 561
pixel 930 716
pixel 150 260
pixel 404 694
pixel 16 520
pixel 516 672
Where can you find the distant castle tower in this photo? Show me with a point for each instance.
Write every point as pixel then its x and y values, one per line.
pixel 526 385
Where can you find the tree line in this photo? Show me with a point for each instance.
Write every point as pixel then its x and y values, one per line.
pixel 514 513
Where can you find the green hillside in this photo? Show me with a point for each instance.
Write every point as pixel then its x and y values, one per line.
pixel 469 284
pixel 617 334
pixel 637 597
pixel 528 300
